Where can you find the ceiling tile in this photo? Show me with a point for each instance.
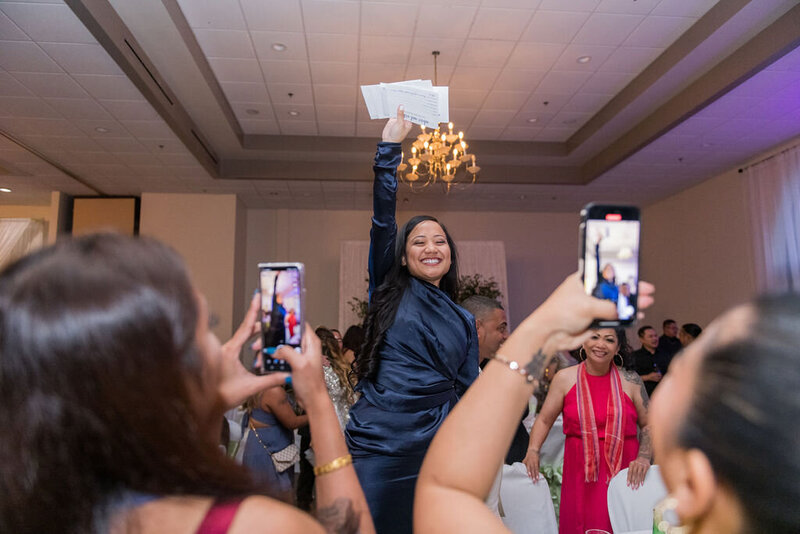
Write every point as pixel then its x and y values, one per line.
pixel 440 76
pixel 295 44
pixel 658 32
pixel 225 43
pixel 506 100
pixel 14 106
pixel 586 102
pixel 252 110
pixel 48 22
pixel 485 53
pixel 684 8
pixel 323 16
pixel 301 93
pixel 80 144
pixel 337 129
pixel 607 29
pixel 573 5
pixel 423 46
pixel 10 31
pixel 387 19
pixel 43 127
pixel 236 70
pixel 483 132
pixel 156 129
pixel 282 15
pixel 78 108
pixel 475 78
pixel 444 22
pixel 531 119
pixel 505 24
pixel 331 47
pixel 462 116
pixel 334 73
pixel 630 59
pixel 514 79
pixel 639 7
pixel 546 102
pixel 51 84
pixel 609 83
pixel 554 26
pixel 535 56
pixel 518 133
pixel 372 73
pixel 25 56
pixel 170 145
pixel 492 118
pixel 374 49
pixel 245 92
pixel 336 114
pixel 82 58
pixel 369 129
pixel 569 119
pixel 9 86
pixel 282 112
pixel 467 98
pixel 259 127
pixel 213 14
pixel 291 127
pixel 335 95
pixel 90 127
pixel 563 82
pixel 569 59
pixel 109 87
pixel 554 134
pixel 286 71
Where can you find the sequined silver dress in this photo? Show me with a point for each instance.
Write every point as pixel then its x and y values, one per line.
pixel 338 395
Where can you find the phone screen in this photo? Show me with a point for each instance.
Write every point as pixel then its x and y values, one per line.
pixel 281 312
pixel 611 260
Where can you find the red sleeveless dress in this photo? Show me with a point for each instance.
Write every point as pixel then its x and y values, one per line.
pixel 584 504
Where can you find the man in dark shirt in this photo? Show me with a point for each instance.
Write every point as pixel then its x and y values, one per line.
pixel 644 362
pixel 668 345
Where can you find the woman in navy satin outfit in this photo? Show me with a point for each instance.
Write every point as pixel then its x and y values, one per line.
pixel 420 352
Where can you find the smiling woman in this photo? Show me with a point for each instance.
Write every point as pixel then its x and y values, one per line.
pixel 420 352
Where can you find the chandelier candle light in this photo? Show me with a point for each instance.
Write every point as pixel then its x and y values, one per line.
pixel 438 156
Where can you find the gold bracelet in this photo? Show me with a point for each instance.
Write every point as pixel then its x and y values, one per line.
pixel 333 465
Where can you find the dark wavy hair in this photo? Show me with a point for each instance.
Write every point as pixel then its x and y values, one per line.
pixel 624 349
pixel 745 415
pixel 386 298
pixel 99 382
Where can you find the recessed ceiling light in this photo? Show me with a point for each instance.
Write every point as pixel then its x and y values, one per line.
pixel 294 113
pixel 100 129
pixel 522 197
pixel 5 190
pixel 532 120
pixel 584 59
pixel 251 111
pixel 279 47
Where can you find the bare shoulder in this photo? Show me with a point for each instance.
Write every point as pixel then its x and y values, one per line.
pixel 631 376
pixel 565 379
pixel 262 514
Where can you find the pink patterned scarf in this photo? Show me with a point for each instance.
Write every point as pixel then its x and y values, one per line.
pixel 615 425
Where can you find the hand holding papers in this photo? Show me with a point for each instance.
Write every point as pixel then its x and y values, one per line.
pixel 424 104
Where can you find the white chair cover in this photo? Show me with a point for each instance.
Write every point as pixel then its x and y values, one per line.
pixel 526 506
pixel 632 510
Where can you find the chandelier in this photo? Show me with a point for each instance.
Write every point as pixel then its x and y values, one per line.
pixel 438 156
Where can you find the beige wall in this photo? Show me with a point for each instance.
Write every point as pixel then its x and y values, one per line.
pixel 97 214
pixel 541 250
pixel 202 228
pixel 697 249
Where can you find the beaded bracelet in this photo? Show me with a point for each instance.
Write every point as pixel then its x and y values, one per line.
pixel 333 465
pixel 530 371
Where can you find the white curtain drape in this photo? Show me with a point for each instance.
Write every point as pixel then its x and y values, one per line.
pixel 487 258
pixel 19 237
pixel 774 187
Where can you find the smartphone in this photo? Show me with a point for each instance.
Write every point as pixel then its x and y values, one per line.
pixel 282 312
pixel 609 258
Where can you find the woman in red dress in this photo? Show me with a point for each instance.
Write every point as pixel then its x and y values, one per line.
pixel 602 405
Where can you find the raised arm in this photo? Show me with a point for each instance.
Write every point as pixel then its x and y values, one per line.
pixel 341 505
pixel 384 199
pixel 452 484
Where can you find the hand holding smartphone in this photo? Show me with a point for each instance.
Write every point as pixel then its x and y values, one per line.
pixel 609 258
pixel 282 313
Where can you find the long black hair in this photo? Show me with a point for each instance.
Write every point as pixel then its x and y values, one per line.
pixel 99 382
pixel 386 298
pixel 745 416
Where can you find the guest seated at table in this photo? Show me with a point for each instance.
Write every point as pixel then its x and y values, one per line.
pixel 112 387
pixel 452 485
